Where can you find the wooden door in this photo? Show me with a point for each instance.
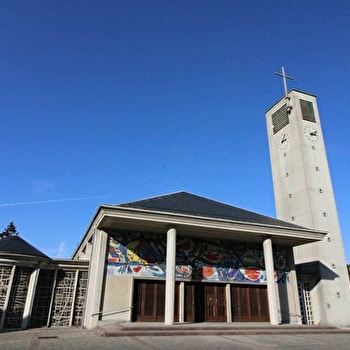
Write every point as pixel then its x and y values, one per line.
pixel 145 307
pixel 205 302
pixel 215 303
pixel 259 304
pixel 194 302
pixel 149 301
pixel 249 303
pixel 190 302
pixel 240 304
pixel 159 301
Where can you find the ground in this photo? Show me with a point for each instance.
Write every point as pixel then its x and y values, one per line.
pixel 74 339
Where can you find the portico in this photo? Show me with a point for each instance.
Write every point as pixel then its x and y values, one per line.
pixel 162 262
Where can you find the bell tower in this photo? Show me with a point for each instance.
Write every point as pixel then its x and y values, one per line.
pixel 304 196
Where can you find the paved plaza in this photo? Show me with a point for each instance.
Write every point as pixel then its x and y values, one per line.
pixel 73 339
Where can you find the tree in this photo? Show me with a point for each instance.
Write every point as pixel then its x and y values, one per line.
pixel 10 230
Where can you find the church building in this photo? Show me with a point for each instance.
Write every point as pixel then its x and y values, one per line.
pixel 185 258
pixel 180 257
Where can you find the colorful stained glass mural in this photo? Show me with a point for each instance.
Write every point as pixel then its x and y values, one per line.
pixel 144 254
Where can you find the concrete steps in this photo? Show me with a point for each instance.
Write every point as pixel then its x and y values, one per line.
pixel 137 329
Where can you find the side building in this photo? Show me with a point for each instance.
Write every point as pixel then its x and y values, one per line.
pixel 37 291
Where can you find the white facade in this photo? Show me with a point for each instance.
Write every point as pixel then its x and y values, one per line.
pixel 304 196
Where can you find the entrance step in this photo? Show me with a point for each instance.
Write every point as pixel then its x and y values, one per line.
pixel 154 329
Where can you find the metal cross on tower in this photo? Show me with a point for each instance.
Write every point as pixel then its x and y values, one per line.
pixel 287 98
pixel 285 77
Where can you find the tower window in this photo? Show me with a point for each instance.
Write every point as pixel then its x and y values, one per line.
pixel 280 119
pixel 307 111
pixel 317 168
pixel 320 190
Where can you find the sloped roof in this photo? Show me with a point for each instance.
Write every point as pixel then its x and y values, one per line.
pixel 190 204
pixel 16 245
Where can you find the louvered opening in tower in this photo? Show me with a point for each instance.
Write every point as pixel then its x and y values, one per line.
pixel 307 111
pixel 280 119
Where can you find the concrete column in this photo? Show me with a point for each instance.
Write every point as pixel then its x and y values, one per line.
pixel 95 281
pixel 293 294
pixel 182 302
pixel 271 285
pixel 170 277
pixel 30 298
pixel 228 303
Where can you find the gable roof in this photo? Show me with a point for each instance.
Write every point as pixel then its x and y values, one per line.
pixel 198 216
pixel 190 204
pixel 16 245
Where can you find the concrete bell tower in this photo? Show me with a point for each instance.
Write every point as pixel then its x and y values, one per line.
pixel 304 196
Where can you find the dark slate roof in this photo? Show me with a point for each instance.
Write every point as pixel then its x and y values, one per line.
pixel 190 204
pixel 16 245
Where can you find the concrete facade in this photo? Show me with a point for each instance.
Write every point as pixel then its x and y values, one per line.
pixel 134 238
pixel 304 196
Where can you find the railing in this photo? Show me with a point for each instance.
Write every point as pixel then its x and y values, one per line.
pixel 114 312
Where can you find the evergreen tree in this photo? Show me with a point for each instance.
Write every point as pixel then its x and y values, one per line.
pixel 10 230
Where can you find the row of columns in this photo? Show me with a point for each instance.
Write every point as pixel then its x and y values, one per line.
pixel 170 279
pixel 96 276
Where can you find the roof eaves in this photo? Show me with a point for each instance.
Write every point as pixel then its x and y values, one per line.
pixel 163 213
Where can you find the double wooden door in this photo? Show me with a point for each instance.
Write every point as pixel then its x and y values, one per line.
pixel 249 303
pixel 149 301
pixel 205 302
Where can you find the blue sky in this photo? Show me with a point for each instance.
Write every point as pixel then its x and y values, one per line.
pixel 109 101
